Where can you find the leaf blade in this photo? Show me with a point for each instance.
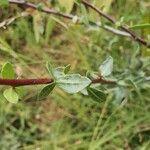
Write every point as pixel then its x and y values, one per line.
pixel 96 95
pixel 106 67
pixel 46 90
pixel 11 95
pixel 73 83
pixel 7 71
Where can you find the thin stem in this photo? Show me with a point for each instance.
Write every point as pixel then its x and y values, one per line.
pixel 25 82
pixel 46 10
pixel 40 81
pixel 123 27
pixel 103 81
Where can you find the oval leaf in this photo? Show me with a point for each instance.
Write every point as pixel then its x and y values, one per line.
pixel 8 71
pixel 11 95
pixel 46 90
pixel 96 95
pixel 73 83
pixel 106 67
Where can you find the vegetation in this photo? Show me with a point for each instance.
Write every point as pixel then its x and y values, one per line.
pixel 94 91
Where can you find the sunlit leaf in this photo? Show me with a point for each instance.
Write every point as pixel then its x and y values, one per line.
pixel 73 83
pixel 58 72
pixel 7 71
pixel 106 67
pixel 11 95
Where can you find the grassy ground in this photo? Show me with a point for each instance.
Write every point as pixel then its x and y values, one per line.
pixel 74 122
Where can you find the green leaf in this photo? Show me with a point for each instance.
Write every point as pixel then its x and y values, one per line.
pixel 2 98
pixel 106 67
pixel 58 72
pixel 55 72
pixel 96 95
pixel 49 68
pixel 38 26
pixel 67 69
pixel 46 90
pixel 39 6
pixel 140 26
pixel 50 25
pixel 73 83
pixel 7 71
pixel 84 91
pixel 84 18
pixel 11 95
pixel 3 3
pixel 20 91
pixel 5 47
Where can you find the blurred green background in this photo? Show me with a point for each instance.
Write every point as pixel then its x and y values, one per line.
pixel 75 122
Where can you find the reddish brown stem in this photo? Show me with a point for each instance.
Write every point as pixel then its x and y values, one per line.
pixel 25 82
pixel 103 81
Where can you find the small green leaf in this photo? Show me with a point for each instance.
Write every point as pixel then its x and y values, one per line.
pixel 106 67
pixel 58 72
pixel 2 98
pixel 49 68
pixel 55 72
pixel 39 6
pixel 3 3
pixel 73 83
pixel 67 69
pixel 7 71
pixel 11 95
pixel 20 91
pixel 38 26
pixel 46 90
pixel 84 91
pixel 96 95
pixel 140 26
pixel 84 18
pixel 91 75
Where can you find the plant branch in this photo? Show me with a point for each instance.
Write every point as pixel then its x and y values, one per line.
pixel 40 81
pixel 46 10
pixel 9 21
pixel 126 32
pixel 103 81
pixel 123 27
pixel 25 82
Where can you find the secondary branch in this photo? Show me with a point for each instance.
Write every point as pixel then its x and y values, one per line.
pixel 126 31
pixel 123 27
